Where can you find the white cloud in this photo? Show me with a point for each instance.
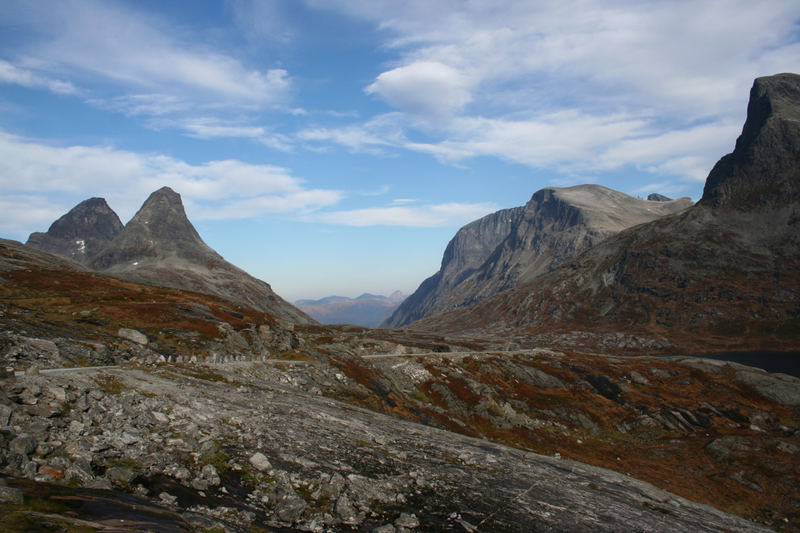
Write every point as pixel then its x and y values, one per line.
pixel 664 187
pixel 24 213
pixel 424 88
pixel 213 129
pixel 689 152
pixel 299 201
pixel 20 76
pixel 151 104
pixel 436 215
pixel 125 46
pixel 381 131
pixel 138 63
pixel 577 84
pixel 53 176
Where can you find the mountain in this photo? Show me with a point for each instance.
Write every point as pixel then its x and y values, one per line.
pixel 724 274
pixel 159 246
pixel 366 310
pixel 655 197
pixel 322 301
pixel 300 414
pixel 514 246
pixel 80 234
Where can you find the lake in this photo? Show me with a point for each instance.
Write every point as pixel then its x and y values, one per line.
pixel 783 362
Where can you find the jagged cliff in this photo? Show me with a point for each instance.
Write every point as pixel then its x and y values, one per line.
pixel 725 272
pixel 465 253
pixel 514 246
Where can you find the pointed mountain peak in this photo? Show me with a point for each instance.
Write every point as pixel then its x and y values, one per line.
pixel 159 246
pixel 762 170
pixel 84 231
pixel 159 229
pixel 165 196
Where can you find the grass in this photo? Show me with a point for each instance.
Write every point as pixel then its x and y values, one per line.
pixel 219 460
pixel 111 384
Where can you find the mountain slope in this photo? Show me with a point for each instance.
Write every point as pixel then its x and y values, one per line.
pixel 520 244
pixel 80 234
pixel 724 273
pixel 159 246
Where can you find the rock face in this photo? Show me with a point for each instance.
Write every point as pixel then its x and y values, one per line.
pixel 464 254
pixel 515 246
pixel 762 173
pixel 725 270
pixel 159 246
pixel 80 234
pixel 205 444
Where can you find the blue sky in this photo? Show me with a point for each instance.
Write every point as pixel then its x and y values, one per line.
pixel 335 146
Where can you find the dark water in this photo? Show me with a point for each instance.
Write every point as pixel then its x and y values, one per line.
pixel 783 362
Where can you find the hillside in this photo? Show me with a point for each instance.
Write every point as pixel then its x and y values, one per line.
pixel 178 426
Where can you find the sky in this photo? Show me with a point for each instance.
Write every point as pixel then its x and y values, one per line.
pixel 336 146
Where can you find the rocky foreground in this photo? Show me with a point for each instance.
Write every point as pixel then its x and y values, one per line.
pixel 206 416
pixel 265 446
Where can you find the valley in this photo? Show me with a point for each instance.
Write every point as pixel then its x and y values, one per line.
pixel 540 381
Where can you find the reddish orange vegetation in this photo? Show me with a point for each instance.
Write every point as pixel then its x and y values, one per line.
pixel 760 483
pixel 65 301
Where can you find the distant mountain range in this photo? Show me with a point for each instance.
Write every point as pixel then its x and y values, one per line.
pixel 724 273
pixel 366 310
pixel 159 246
pixel 514 246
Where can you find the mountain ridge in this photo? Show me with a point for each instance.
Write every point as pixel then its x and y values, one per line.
pixel 160 246
pixel 523 243
pixel 365 310
pixel 723 273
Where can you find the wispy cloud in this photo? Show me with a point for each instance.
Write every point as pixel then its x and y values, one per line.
pixel 52 179
pixel 572 85
pixel 125 46
pixel 140 64
pixel 13 74
pixel 436 215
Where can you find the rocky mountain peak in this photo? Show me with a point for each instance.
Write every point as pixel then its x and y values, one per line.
pixel 513 246
pixel 721 273
pixel 655 197
pixel 81 233
pixel 159 229
pixel 160 246
pixel 762 171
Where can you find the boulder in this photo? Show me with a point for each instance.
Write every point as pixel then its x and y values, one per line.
pixel 132 335
pixel 23 445
pixel 260 462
